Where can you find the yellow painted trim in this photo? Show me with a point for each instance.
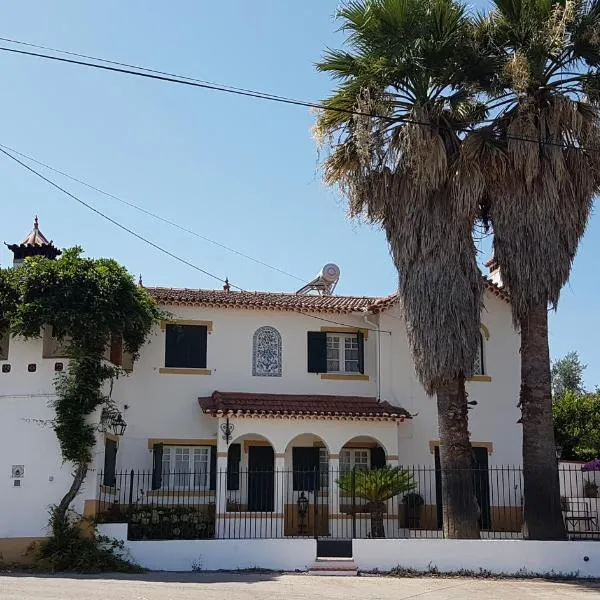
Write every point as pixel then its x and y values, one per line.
pixel 248 443
pixel 108 489
pixel 489 445
pixel 360 445
pixel 365 332
pixel 177 371
pixel 280 455
pixel 345 377
pixel 179 493
pixel 207 324
pixel 485 331
pixel 393 457
pixel 484 378
pixel 112 437
pixel 181 442
pixel 221 454
pixel 334 456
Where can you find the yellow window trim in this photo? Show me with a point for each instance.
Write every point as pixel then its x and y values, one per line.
pixel 485 378
pixel 489 445
pixel 112 437
pixel 485 331
pixel 248 443
pixel 365 332
pixel 180 371
pixel 181 442
pixel 207 324
pixel 345 376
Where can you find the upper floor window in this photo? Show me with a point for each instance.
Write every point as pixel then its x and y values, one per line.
pixel 185 346
pixel 266 352
pixel 55 344
pixel 332 352
pixel 478 366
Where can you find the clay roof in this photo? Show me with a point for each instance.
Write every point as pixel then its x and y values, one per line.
pixel 36 243
pixel 286 301
pixel 242 404
pixel 35 237
pixel 269 300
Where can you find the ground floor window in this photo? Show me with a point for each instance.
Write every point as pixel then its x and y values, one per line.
pixel 354 458
pixel 186 467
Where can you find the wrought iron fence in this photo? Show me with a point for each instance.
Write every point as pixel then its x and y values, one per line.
pixel 330 504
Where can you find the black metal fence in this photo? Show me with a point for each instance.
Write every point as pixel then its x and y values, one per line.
pixel 330 505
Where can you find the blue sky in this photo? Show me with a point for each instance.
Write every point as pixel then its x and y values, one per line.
pixel 243 172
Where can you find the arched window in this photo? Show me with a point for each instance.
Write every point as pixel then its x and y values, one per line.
pixel 479 367
pixel 266 352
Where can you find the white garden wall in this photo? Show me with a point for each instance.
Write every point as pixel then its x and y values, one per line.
pixel 213 555
pixel 497 556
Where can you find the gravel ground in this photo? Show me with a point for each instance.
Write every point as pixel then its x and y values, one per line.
pixel 231 586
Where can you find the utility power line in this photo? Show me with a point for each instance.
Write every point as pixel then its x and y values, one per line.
pixel 145 72
pixel 150 213
pixel 156 246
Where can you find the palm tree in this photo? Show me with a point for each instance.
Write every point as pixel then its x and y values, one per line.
pixel 392 126
pixel 377 486
pixel 540 179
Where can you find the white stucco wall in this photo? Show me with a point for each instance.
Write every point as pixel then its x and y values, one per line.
pixel 212 555
pixel 494 419
pixel 497 556
pixel 166 406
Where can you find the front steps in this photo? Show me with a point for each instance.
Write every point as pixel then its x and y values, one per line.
pixel 333 566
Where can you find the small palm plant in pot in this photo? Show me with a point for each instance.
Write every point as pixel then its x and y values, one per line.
pixel 377 486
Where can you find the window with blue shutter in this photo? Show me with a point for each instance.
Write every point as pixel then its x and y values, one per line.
pixel 185 346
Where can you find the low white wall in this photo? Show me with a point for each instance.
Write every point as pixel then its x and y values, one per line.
pixel 212 555
pixel 496 556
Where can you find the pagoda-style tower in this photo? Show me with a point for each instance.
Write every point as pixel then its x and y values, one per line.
pixel 35 244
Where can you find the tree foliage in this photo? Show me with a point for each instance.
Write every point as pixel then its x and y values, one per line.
pixel 567 375
pixel 577 424
pixel 87 302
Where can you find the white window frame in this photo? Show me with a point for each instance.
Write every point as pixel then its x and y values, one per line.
pixel 341 347
pixel 175 479
pixel 349 459
pixel 324 467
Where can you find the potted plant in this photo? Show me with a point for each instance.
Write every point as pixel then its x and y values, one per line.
pixel 377 487
pixel 590 489
pixel 412 510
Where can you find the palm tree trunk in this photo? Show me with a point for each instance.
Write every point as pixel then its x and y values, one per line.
pixel 377 528
pixel 542 512
pixel 458 493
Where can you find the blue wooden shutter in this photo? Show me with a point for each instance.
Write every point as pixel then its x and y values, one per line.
pixel 110 463
pixel 157 456
pixel 234 455
pixel 377 458
pixel 317 351
pixel 361 352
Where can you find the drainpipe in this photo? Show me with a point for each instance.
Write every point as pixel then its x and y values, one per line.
pixel 375 325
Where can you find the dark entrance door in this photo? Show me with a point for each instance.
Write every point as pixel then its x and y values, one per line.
pixel 481 484
pixel 261 479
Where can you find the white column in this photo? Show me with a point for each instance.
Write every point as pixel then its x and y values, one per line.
pixel 221 487
pixel 334 490
pixel 280 493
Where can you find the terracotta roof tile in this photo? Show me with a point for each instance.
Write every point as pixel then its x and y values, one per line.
pixel 282 301
pixel 280 405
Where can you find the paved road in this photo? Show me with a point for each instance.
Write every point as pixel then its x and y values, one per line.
pixel 177 586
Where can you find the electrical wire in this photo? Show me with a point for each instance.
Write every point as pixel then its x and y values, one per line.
pixel 144 72
pixel 150 213
pixel 154 245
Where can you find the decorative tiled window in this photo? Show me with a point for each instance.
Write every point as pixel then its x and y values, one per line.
pixel 266 352
pixel 478 366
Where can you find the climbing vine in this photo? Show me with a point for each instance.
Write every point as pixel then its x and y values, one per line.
pixel 88 303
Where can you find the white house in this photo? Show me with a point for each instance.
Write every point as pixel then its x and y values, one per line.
pixel 247 406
